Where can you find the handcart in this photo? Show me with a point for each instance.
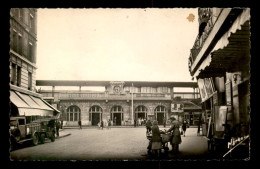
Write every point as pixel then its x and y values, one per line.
pixel 165 138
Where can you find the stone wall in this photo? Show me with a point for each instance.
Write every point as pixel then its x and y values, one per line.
pixel 106 107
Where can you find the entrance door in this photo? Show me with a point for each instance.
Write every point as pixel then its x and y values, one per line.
pixel 160 117
pixel 141 115
pixel 95 118
pixel 117 119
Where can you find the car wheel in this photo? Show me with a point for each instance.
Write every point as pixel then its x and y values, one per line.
pixel 42 138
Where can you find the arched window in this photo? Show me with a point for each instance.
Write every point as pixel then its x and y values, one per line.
pixel 117 109
pixel 95 114
pixel 141 109
pixel 95 109
pixel 73 113
pixel 117 115
pixel 160 114
pixel 160 109
pixel 141 112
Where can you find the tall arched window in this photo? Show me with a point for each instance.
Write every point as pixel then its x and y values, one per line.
pixel 117 115
pixel 73 113
pixel 141 112
pixel 160 109
pixel 95 115
pixel 95 109
pixel 160 114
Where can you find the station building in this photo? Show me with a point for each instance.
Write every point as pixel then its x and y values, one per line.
pixel 121 102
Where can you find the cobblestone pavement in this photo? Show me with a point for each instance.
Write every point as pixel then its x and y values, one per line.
pixel 113 144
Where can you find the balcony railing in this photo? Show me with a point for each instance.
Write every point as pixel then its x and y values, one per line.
pixel 207 20
pixel 78 95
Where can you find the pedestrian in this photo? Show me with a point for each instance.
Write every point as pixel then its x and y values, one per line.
pixel 164 122
pixel 145 121
pixel 156 139
pixel 79 124
pixel 176 134
pixel 61 124
pixel 198 132
pixel 57 125
pixel 115 121
pixel 109 124
pixel 184 127
pixel 134 122
pixel 102 124
pixel 148 126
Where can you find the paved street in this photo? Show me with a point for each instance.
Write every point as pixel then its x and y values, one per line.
pixel 114 144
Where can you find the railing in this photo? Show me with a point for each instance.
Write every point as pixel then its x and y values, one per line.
pixel 185 95
pixel 150 95
pixel 207 20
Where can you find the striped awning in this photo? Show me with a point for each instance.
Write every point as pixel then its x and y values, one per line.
pixel 29 105
pixel 233 46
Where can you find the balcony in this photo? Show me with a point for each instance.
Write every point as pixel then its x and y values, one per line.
pixel 207 19
pixel 76 95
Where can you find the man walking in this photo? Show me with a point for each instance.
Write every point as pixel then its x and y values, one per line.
pixel 57 128
pixel 79 124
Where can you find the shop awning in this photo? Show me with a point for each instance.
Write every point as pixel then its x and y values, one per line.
pixel 191 107
pixel 30 105
pixel 230 48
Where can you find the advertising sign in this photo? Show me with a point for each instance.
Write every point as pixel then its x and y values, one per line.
pixel 176 107
pixel 202 88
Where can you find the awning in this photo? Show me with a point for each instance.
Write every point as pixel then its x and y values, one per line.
pixel 191 107
pixel 30 105
pixel 233 45
pixel 34 112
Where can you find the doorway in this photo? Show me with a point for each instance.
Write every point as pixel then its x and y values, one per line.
pixel 159 118
pixel 95 119
pixel 117 119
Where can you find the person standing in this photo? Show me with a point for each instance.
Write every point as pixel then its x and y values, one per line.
pixel 184 127
pixel 114 121
pixel 134 122
pixel 176 139
pixel 198 132
pixel 79 124
pixel 148 126
pixel 102 124
pixel 61 124
pixel 164 122
pixel 109 124
pixel 57 128
pixel 156 139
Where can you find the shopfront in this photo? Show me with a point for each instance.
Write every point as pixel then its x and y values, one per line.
pixel 223 77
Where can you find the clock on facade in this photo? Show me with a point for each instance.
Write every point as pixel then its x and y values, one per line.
pixel 116 89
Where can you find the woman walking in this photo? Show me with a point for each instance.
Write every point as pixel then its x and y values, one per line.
pixel 176 140
pixel 156 139
pixel 184 127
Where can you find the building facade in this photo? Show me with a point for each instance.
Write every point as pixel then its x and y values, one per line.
pixel 23 31
pixel 121 102
pixel 220 61
pixel 24 101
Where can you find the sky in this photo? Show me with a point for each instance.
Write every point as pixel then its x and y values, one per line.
pixel 115 44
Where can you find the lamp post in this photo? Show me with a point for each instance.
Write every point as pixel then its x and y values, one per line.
pixel 132 104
